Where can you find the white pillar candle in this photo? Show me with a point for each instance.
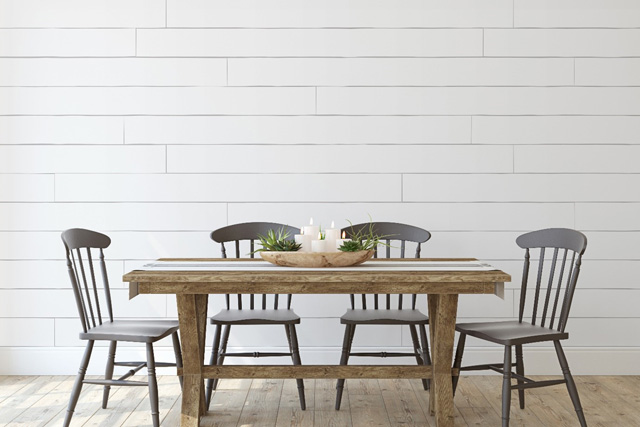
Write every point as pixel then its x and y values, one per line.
pixel 319 245
pixel 311 230
pixel 331 235
pixel 304 240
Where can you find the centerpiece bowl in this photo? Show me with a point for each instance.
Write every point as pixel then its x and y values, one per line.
pixel 316 259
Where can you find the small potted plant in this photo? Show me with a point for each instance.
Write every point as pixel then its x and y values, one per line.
pixel 277 242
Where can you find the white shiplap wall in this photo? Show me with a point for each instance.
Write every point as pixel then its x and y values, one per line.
pixel 157 121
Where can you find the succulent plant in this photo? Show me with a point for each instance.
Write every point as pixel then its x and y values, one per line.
pixel 363 240
pixel 277 242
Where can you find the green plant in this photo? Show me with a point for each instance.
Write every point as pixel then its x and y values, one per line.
pixel 277 242
pixel 364 239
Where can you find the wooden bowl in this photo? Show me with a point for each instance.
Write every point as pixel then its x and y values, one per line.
pixel 316 259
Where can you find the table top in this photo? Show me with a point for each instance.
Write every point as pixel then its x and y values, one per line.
pixel 424 275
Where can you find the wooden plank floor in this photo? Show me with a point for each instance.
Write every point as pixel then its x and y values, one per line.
pixel 41 401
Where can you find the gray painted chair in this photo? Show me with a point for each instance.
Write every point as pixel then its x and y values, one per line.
pixel 257 313
pixel 76 242
pixel 568 244
pixel 385 314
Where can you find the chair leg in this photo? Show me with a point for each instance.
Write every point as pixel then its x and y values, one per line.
pixel 297 361
pixel 212 361
pixel 177 351
pixel 417 350
pixel 153 386
pixel 425 349
pixel 457 361
pixel 349 332
pixel 520 371
pixel 506 386
pixel 77 385
pixel 223 349
pixel 571 385
pixel 108 373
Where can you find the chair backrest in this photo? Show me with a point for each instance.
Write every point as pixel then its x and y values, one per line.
pixel 76 241
pixel 393 232
pixel 250 231
pixel 568 245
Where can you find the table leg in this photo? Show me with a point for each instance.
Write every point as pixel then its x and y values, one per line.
pixel 192 315
pixel 444 320
pixel 433 309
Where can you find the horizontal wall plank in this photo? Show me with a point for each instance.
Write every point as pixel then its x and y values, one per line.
pixel 520 188
pixel 339 159
pixel 156 100
pixel 400 72
pixel 229 188
pixel 590 303
pixel 82 14
pixel 309 42
pixel 61 303
pixel 576 13
pixel 59 42
pixel 335 13
pixel 613 245
pixel 113 72
pixel 577 159
pixel 82 159
pixel 562 42
pixel 598 216
pixel 26 332
pixel 61 130
pixel 430 216
pixel 479 100
pixel 113 216
pixel 297 130
pixel 26 188
pixel 556 130
pixel 608 72
pixel 45 274
pixel 473 244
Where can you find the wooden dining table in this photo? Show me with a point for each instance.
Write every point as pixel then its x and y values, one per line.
pixel 193 280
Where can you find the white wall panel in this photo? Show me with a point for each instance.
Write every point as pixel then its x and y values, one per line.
pixel 61 130
pixel 45 274
pixel 309 42
pixel 26 332
pixel 608 72
pixel 219 188
pixel 613 245
pixel 82 159
pixel 113 72
pixel 156 100
pixel 400 72
pixel 576 13
pixel 520 188
pixel 562 42
pixel 589 303
pixel 26 188
pixel 597 216
pixel 335 159
pixel 297 130
pixel 81 14
pixel 67 43
pixel 556 130
pixel 577 159
pixel 336 13
pixel 434 217
pixel 479 100
pixel 113 216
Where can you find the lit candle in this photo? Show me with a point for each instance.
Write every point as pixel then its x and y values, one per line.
pixel 304 240
pixel 319 245
pixel 331 235
pixel 310 230
pixel 339 242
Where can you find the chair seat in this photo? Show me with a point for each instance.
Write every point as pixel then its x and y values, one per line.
pixel 131 330
pixel 384 317
pixel 510 332
pixel 255 317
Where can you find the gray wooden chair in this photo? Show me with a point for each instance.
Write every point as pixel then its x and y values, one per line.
pixel 568 245
pixel 77 242
pixel 256 313
pixel 383 313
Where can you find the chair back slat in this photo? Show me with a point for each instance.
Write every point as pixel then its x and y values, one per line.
pixel 249 232
pixel 392 232
pixel 555 238
pixel 82 269
pixel 549 287
pixel 414 299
